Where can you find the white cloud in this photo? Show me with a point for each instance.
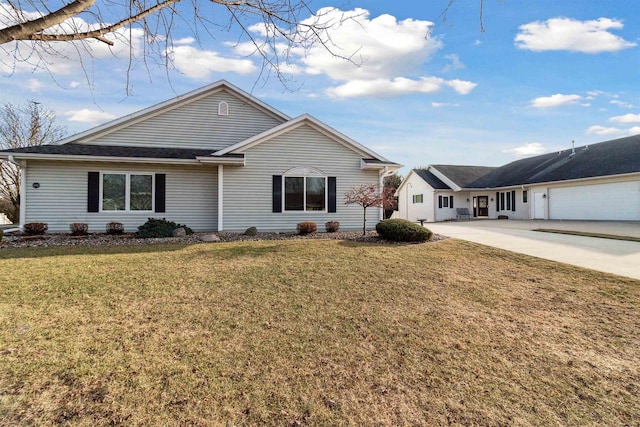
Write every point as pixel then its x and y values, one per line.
pixel 477 43
pixel 199 64
pixel 554 101
pixel 382 47
pixel 34 85
pixel 627 118
pixel 74 84
pixel 621 103
pixel 572 35
pixel 88 116
pixel 634 130
pixel 456 63
pixel 397 86
pixel 385 55
pixel 526 150
pixel 443 104
pixel 601 130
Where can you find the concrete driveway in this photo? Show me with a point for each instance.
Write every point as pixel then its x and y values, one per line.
pixel 607 255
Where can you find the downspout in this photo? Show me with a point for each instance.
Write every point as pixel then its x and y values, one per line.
pixel 23 189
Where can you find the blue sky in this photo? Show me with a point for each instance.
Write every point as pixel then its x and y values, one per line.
pixel 423 90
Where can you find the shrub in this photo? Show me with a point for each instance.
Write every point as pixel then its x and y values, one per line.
pixel 114 227
pixel 79 229
pixel 160 228
pixel 35 228
pixel 332 226
pixel 251 231
pixel 306 227
pixel 401 230
pixel 1 234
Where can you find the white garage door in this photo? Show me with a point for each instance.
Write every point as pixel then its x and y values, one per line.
pixel 619 201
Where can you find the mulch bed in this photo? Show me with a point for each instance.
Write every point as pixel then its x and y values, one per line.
pixel 101 239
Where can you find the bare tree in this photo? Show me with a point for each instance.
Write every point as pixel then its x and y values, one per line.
pixel 23 126
pixel 33 28
pixel 369 195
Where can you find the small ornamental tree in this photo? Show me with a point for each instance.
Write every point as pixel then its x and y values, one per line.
pixel 368 195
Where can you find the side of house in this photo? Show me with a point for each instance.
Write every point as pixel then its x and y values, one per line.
pixel 214 159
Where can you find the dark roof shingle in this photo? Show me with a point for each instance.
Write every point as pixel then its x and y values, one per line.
pixel 462 176
pixel 114 151
pixel 431 179
pixel 616 157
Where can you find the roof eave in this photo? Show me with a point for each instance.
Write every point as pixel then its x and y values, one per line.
pixel 81 158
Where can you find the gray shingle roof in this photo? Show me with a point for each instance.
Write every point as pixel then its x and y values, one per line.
pixel 616 157
pixel 462 176
pixel 431 179
pixel 115 151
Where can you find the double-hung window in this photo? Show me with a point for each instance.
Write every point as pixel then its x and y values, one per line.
pixel 127 192
pixel 305 193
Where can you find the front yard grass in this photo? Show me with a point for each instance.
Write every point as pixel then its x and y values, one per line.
pixel 314 333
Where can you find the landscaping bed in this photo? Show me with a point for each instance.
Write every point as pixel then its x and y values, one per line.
pixel 103 239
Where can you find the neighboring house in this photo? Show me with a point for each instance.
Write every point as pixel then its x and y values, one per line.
pixel 596 182
pixel 214 159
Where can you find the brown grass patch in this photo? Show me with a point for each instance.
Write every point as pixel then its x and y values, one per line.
pixel 314 333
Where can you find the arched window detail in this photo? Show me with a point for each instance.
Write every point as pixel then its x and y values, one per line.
pixel 223 109
pixel 305 189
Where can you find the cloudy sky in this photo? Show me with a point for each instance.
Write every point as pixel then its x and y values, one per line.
pixel 420 89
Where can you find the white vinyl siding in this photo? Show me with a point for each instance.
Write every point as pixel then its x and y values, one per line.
pixel 195 125
pixel 607 201
pixel 248 189
pixel 61 199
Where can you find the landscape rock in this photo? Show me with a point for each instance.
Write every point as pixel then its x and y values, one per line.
pixel 210 238
pixel 179 232
pixel 251 231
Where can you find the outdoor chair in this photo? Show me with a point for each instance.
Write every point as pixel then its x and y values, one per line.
pixel 462 213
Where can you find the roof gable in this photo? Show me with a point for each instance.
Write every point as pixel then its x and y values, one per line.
pixel 189 121
pixel 304 119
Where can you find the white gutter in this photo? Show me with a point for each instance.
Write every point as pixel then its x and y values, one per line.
pixel 81 158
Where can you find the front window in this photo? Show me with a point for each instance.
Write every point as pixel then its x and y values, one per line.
pixel 127 192
pixel 305 193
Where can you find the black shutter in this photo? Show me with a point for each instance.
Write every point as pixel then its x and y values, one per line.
pixel 161 190
pixel 451 202
pixel 93 192
pixel 440 202
pixel 513 200
pixel 501 201
pixel 331 191
pixel 277 193
pixel 508 201
pixel 497 201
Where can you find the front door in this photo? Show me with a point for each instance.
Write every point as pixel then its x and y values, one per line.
pixel 483 206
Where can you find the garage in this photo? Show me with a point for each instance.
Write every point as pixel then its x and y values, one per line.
pixel 612 201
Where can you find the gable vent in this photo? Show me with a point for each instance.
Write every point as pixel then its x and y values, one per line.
pixel 223 109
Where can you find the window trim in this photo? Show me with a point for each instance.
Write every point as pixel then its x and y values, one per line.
pixel 304 193
pixel 127 191
pixel 418 198
pixel 525 196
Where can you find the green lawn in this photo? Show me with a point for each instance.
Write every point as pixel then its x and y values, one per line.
pixel 314 332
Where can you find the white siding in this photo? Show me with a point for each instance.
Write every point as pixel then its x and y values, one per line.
pixel 248 189
pixel 521 211
pixel 414 211
pixel 606 201
pixel 195 125
pixel 61 199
